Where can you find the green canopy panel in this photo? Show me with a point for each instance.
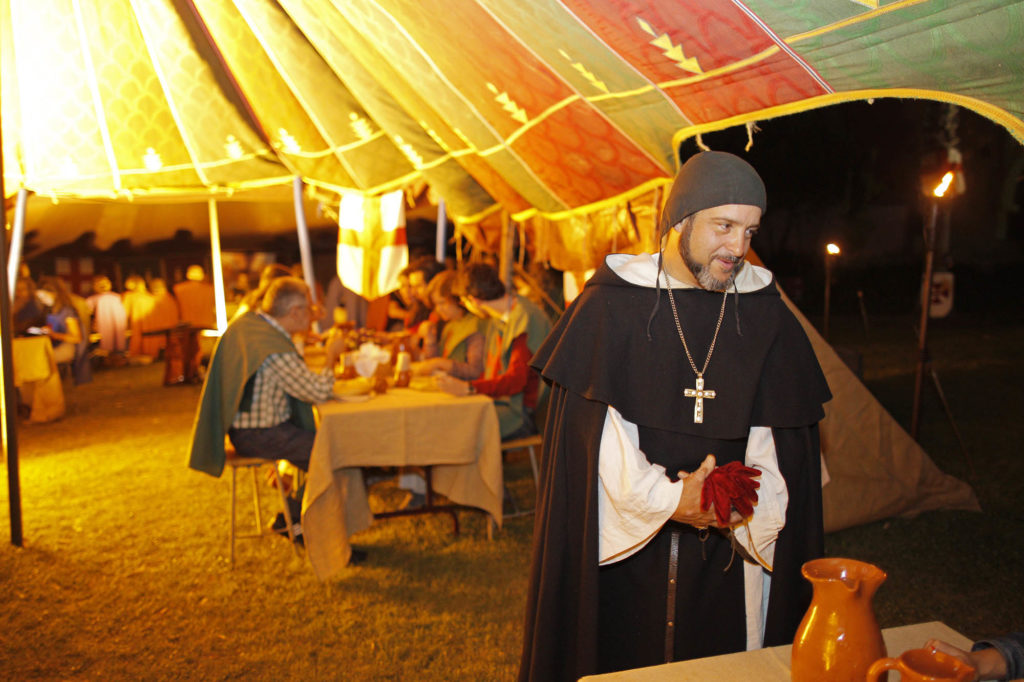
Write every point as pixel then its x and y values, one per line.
pixel 565 114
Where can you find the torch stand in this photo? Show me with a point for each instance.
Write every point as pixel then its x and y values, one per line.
pixel 923 358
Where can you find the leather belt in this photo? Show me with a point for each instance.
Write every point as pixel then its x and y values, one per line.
pixel 670 598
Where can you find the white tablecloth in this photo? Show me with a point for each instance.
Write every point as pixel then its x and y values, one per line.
pixel 767 665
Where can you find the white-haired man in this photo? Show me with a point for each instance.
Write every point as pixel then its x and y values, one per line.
pixel 259 390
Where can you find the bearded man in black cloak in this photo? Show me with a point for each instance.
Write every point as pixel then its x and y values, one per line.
pixel 692 361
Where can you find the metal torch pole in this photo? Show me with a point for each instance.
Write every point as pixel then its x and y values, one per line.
pixel 828 291
pixel 926 299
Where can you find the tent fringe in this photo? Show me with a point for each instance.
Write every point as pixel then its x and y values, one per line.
pixel 752 128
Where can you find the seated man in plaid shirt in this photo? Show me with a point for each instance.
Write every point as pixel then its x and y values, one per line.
pixel 258 389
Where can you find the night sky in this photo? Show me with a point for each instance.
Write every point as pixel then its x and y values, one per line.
pixel 851 173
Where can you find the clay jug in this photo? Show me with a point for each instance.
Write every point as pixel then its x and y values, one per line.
pixel 923 665
pixel 838 638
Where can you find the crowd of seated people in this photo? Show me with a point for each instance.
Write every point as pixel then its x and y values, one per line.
pixel 477 337
pixel 102 325
pixel 463 326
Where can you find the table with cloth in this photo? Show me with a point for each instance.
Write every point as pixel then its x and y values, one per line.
pixel 772 663
pixel 457 437
pixel 37 377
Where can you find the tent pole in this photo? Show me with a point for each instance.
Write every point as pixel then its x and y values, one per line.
pixel 8 397
pixel 442 229
pixel 505 256
pixel 10 400
pixel 17 239
pixel 10 410
pixel 305 250
pixel 218 271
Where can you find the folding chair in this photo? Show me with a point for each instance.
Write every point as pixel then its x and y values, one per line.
pixel 254 464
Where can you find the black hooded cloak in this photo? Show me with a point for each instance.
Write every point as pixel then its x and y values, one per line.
pixel 583 619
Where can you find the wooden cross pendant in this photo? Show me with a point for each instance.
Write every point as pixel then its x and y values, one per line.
pixel 699 393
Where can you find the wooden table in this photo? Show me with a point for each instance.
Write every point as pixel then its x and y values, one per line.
pixel 457 437
pixel 36 375
pixel 766 665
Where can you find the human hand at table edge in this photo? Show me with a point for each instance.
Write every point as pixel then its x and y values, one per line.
pixel 453 386
pixel 431 365
pixel 988 664
pixel 334 346
pixel 688 509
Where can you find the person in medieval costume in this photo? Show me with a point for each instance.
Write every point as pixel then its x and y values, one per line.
pixel 108 315
pixel 162 316
pixel 515 329
pixel 456 345
pixel 667 366
pixel 260 392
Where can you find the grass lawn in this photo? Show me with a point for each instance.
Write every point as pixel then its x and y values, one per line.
pixel 124 573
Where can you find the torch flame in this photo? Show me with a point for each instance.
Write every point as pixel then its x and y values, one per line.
pixel 941 188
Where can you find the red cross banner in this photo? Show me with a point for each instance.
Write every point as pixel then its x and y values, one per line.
pixel 372 247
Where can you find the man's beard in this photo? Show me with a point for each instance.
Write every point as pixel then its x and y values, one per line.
pixel 701 271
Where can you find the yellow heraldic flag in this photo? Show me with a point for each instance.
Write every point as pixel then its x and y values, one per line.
pixel 372 247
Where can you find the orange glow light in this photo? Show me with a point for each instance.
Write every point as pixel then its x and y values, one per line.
pixel 941 188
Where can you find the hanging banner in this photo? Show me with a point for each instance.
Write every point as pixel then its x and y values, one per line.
pixel 372 247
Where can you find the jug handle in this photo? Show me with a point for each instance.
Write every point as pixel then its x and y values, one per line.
pixel 879 667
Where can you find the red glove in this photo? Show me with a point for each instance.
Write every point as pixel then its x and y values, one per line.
pixel 730 485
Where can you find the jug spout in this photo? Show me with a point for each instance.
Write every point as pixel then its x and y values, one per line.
pixel 856 577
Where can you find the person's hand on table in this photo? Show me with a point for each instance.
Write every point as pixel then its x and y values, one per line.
pixel 988 664
pixel 688 510
pixel 453 386
pixel 427 330
pixel 424 367
pixel 334 346
pixel 430 366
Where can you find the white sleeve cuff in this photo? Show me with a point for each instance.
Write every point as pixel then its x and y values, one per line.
pixel 762 529
pixel 634 498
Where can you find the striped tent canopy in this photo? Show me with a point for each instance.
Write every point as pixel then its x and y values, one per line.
pixel 563 114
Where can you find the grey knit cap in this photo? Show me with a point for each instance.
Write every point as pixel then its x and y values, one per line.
pixel 711 179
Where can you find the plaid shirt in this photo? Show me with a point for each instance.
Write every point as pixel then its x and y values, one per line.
pixel 282 375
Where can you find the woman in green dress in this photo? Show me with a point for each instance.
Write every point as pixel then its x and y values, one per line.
pixel 453 339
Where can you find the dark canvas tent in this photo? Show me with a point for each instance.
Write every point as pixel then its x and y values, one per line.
pixel 565 115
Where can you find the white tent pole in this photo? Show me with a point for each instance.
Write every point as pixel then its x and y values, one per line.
pixel 218 271
pixel 442 229
pixel 305 251
pixel 17 240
